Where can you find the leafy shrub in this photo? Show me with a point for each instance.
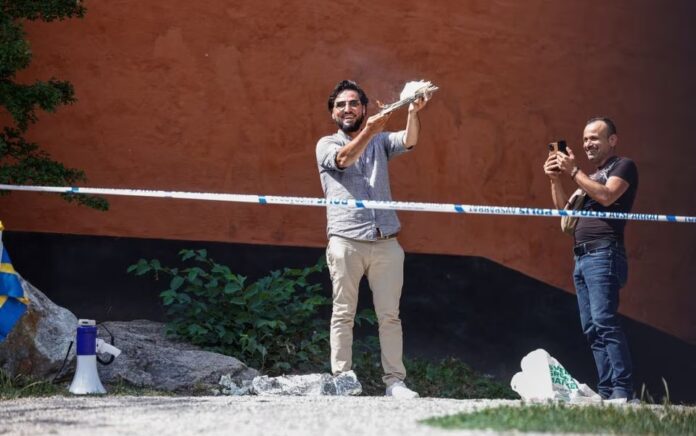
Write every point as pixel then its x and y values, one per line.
pixel 452 378
pixel 448 378
pixel 270 324
pixel 273 324
pixel 23 162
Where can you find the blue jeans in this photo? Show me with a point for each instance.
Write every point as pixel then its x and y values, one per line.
pixel 599 275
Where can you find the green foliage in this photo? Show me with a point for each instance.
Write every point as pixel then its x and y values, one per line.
pixel 452 378
pixel 22 162
pixel 14 49
pixel 448 378
pixel 270 324
pixel 22 101
pixel 569 419
pixel 46 10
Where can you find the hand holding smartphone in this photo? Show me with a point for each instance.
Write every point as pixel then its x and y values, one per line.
pixel 555 148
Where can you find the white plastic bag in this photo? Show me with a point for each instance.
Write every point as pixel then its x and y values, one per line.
pixel 543 379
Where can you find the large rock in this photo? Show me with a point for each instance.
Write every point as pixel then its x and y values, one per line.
pixel 38 343
pixel 150 359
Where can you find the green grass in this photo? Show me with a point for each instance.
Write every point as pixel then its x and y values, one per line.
pixel 20 387
pixel 125 389
pixel 576 419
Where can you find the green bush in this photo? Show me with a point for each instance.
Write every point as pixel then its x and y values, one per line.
pixel 452 378
pixel 447 378
pixel 274 324
pixel 270 324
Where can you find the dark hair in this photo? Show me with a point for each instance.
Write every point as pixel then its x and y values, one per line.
pixel 347 85
pixel 611 127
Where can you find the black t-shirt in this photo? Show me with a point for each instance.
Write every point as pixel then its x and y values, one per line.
pixel 590 229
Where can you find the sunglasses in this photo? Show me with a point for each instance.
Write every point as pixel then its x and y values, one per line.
pixel 342 104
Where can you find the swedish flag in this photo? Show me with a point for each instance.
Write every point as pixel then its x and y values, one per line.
pixel 13 299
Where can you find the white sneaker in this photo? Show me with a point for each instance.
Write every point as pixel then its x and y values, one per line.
pixel 399 390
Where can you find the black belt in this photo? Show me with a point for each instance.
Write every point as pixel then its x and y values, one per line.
pixel 586 247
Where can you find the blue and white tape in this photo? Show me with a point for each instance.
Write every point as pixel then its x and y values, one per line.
pixel 367 204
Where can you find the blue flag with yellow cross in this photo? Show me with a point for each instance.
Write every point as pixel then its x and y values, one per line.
pixel 13 299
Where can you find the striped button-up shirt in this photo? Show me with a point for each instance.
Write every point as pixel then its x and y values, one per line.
pixel 366 179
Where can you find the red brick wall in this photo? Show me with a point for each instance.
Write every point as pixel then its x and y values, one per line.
pixel 222 97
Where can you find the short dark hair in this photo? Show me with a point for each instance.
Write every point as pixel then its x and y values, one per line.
pixel 344 85
pixel 611 127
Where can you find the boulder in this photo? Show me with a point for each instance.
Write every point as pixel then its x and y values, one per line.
pixel 38 343
pixel 151 359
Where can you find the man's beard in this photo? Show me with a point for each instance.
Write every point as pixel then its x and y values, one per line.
pixel 353 127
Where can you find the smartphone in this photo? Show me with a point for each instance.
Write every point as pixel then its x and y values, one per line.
pixel 560 145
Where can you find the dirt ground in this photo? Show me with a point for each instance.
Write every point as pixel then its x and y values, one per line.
pixel 253 415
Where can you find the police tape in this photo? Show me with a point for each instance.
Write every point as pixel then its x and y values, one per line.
pixel 358 204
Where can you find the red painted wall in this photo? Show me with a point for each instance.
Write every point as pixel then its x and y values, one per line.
pixel 230 97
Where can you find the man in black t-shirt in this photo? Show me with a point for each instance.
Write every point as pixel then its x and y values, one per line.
pixel 601 269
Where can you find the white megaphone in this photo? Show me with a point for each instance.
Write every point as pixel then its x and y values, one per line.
pixel 86 380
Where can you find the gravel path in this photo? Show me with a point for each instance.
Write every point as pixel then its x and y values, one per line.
pixel 253 415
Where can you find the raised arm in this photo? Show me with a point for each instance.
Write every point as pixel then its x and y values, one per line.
pixel 349 153
pixel 413 122
pixel 558 194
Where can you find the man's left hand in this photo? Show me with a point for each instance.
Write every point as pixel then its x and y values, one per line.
pixel 419 103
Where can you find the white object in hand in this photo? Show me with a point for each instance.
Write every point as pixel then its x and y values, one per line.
pixel 412 91
pixel 412 88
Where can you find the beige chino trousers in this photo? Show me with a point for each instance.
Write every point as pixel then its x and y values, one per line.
pixel 382 262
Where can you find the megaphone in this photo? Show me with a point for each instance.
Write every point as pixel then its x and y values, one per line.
pixel 86 380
